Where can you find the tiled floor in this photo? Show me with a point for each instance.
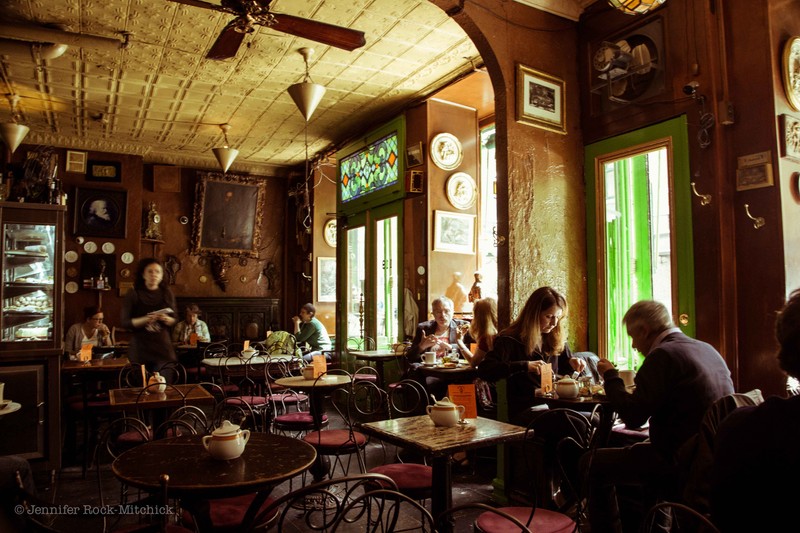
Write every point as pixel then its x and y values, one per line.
pixel 471 484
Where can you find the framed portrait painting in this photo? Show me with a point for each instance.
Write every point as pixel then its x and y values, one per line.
pixel 540 100
pixel 101 212
pixel 453 232
pixel 228 211
pixel 326 279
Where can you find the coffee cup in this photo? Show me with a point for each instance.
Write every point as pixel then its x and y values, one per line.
pixel 627 377
pixel 429 358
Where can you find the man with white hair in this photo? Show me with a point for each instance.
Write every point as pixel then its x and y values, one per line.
pixel 676 384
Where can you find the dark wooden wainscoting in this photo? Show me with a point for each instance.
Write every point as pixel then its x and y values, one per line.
pixel 236 319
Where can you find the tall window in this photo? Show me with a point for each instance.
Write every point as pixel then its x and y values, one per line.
pixel 487 247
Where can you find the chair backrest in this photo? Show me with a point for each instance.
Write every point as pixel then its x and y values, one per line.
pixel 407 397
pixel 120 336
pixel 673 516
pixel 317 504
pixel 215 349
pixel 384 510
pixel 130 376
pixel 174 372
pixel 696 456
pixel 185 420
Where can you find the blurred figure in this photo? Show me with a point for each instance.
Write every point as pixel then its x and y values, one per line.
pixel 148 311
pixel 308 329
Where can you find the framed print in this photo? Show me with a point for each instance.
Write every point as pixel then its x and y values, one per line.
pixel 453 232
pixel 228 211
pixel 540 100
pixel 754 171
pixel 101 212
pixel 108 171
pixel 76 162
pixel 326 279
pixel 461 190
pixel 414 157
pixel 790 137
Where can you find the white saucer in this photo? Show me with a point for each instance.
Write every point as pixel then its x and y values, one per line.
pixel 4 403
pixel 429 364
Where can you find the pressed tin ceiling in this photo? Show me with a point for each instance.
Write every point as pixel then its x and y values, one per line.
pixel 159 97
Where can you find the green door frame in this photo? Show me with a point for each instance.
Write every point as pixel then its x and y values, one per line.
pixel 672 134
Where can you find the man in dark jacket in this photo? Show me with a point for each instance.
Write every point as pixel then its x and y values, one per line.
pixel 676 384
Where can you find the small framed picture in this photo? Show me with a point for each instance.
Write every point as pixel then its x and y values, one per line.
pixel 453 232
pixel 326 279
pixel 540 100
pixel 108 171
pixel 414 157
pixel 754 177
pixel 101 212
pixel 76 162
pixel 790 137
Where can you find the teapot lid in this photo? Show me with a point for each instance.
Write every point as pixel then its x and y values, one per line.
pixel 227 428
pixel 566 379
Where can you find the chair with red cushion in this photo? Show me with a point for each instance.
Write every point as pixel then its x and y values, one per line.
pixel 350 403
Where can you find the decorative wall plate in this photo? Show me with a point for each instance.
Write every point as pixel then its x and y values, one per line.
pixel 108 248
pixel 72 272
pixel 71 287
pixel 329 233
pixel 71 256
pixel 791 71
pixel 90 247
pixel 461 190
pixel 446 151
pixel 125 272
pixel 127 258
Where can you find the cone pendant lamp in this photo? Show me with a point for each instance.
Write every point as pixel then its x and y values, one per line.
pixel 12 132
pixel 307 94
pixel 225 155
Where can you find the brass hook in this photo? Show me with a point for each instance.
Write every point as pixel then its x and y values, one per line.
pixel 705 199
pixel 758 222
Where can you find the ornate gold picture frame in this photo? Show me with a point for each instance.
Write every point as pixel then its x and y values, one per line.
pixel 228 211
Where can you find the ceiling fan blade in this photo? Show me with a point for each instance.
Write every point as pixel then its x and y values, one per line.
pixel 204 5
pixel 227 44
pixel 338 36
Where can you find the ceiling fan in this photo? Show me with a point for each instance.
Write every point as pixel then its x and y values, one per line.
pixel 250 13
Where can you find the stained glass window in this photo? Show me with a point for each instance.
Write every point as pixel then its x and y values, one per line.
pixel 370 169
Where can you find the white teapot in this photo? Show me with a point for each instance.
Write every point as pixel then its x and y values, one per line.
pixel 445 413
pixel 568 388
pixel 227 441
pixel 157 378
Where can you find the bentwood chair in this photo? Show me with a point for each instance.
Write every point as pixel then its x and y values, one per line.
pixel 677 518
pixel 384 510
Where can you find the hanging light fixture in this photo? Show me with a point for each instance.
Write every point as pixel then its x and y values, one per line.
pixel 635 7
pixel 307 94
pixel 225 154
pixel 13 132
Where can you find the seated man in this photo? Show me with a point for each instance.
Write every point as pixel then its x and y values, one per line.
pixel 677 382
pixel 182 333
pixel 308 329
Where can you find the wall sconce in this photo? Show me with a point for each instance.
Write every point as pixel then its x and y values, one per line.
pixel 225 155
pixel 13 132
pixel 635 7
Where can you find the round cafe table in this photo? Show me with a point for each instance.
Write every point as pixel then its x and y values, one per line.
pixel 195 476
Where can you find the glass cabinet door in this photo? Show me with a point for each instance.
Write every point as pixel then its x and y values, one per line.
pixel 28 277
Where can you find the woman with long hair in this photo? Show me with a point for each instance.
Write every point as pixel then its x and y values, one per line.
pixel 482 329
pixel 534 339
pixel 149 311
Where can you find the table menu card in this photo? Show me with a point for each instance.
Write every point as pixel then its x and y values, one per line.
pixel 464 395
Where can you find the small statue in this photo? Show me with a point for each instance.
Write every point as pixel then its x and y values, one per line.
pixel 475 293
pixel 153 230
pixel 457 292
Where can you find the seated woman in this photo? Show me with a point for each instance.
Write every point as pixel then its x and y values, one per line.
pixel 533 340
pixel 483 330
pixel 90 331
pixel 308 329
pixel 182 333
